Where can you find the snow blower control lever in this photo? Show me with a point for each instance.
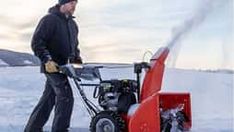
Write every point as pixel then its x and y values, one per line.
pixel 138 70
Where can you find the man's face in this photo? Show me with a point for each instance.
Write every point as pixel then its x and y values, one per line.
pixel 70 7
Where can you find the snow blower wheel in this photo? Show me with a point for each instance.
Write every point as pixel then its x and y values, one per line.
pixel 107 121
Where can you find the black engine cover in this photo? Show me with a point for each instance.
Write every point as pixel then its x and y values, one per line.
pixel 125 101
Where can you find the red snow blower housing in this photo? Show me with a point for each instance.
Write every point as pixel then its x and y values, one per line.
pixel 128 107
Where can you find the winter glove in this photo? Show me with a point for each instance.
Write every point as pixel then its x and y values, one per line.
pixel 51 66
pixel 77 60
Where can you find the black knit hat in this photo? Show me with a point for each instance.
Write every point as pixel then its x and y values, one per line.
pixel 61 2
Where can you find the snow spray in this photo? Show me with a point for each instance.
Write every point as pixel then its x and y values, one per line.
pixel 227 43
pixel 228 55
pixel 179 32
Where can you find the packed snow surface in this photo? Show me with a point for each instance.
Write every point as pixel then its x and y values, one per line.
pixel 211 94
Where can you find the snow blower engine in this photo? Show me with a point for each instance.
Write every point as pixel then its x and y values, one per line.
pixel 117 95
pixel 127 106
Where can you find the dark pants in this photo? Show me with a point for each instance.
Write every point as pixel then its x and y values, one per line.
pixel 57 93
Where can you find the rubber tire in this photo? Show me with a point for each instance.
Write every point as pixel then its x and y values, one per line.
pixel 115 118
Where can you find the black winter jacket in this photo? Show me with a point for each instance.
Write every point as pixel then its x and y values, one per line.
pixel 56 38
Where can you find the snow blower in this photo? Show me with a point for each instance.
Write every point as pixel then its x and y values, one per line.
pixel 127 106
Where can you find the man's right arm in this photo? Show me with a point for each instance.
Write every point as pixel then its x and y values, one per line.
pixel 41 37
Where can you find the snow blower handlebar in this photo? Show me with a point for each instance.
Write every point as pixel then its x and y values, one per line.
pixel 69 70
pixel 72 71
pixel 81 71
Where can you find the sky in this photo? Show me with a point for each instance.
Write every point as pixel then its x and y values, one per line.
pixel 123 30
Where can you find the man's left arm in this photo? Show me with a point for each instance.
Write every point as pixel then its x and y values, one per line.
pixel 78 58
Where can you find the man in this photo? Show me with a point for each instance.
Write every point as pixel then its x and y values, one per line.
pixel 55 43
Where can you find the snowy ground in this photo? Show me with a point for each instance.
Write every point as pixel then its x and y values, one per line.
pixel 212 97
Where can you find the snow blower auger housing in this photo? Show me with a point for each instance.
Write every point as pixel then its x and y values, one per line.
pixel 128 107
pixel 159 111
